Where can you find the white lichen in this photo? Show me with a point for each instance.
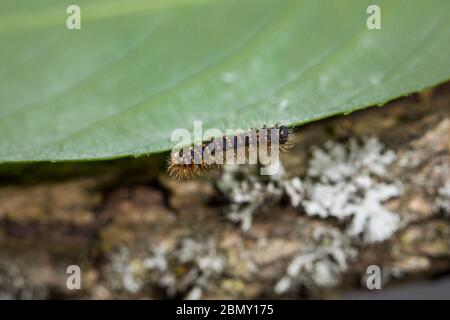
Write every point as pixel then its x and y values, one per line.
pixel 127 269
pixel 321 264
pixel 14 284
pixel 336 162
pixel 158 260
pixel 342 182
pixel 250 193
pixel 443 199
pixel 185 270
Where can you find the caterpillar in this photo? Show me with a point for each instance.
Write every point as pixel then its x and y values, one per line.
pixel 194 159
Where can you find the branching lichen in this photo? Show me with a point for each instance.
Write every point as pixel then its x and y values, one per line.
pixel 342 181
pixel 321 264
pixel 15 285
pixel 184 271
pixel 128 269
pixel 250 193
pixel 443 200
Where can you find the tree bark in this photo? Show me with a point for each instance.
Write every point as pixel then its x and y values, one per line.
pixel 111 218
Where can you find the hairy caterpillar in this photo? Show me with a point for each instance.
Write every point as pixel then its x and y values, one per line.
pixel 193 160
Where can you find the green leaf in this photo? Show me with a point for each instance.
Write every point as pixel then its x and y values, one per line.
pixel 139 69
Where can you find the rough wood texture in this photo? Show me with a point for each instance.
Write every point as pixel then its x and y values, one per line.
pixel 137 233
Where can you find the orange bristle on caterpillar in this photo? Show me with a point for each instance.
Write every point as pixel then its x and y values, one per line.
pixel 194 160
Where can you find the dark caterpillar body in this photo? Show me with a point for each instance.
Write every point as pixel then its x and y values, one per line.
pixel 194 160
